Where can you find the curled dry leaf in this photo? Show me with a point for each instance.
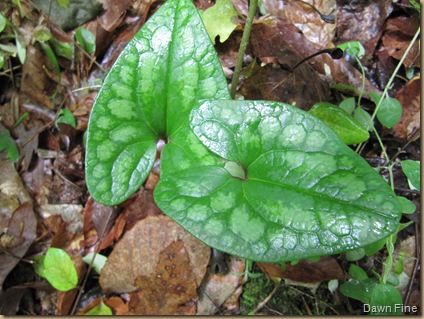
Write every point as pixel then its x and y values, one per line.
pixel 172 284
pixel 138 253
pixel 98 220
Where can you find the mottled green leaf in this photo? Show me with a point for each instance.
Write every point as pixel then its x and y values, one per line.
pixel 147 95
pixel 57 267
pixel 346 127
pixel 305 194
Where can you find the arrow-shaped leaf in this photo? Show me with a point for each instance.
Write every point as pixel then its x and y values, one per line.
pixel 147 95
pixel 305 193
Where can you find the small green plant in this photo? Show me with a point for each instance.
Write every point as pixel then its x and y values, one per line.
pixel 257 179
pixel 56 266
pixel 9 49
pixel 378 297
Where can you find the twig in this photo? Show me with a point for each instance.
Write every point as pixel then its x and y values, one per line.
pixel 243 46
pixel 265 301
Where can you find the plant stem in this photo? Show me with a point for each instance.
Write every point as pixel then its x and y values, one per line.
pixel 243 46
pixel 389 83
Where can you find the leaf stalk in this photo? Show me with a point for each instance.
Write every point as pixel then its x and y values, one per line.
pixel 243 46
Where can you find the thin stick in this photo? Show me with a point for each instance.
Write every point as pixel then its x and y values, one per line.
pixel 243 46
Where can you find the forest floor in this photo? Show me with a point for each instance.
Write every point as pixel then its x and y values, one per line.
pixel 48 86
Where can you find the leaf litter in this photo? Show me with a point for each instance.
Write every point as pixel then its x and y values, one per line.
pixel 51 171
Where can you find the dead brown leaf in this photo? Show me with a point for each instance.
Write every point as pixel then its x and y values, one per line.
pixel 410 99
pixel 137 253
pixel 16 238
pixel 35 82
pixel 308 21
pixel 362 21
pixel 397 36
pixel 305 271
pixel 267 41
pixel 172 284
pixel 219 289
pixel 302 87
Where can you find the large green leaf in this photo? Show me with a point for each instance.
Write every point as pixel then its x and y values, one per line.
pixel 147 95
pixel 305 193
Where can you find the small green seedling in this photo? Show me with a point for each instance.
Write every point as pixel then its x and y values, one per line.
pixel 57 267
pixel 65 116
pixel 257 179
pixel 100 310
pixel 412 171
pixel 378 298
pixel 7 143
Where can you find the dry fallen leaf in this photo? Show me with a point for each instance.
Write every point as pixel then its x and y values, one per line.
pixel 17 219
pixel 172 284
pixel 410 99
pixel 138 253
pixel 362 21
pixel 302 87
pixel 267 41
pixel 305 271
pixel 219 289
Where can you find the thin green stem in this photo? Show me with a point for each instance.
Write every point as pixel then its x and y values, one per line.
pixel 361 93
pixel 390 82
pixel 243 46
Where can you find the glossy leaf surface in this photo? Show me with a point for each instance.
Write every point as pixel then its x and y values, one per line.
pixel 346 127
pixel 148 94
pixel 305 193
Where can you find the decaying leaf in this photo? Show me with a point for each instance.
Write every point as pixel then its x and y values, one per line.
pixel 172 284
pixel 397 36
pixel 217 289
pixel 305 271
pixel 309 21
pixel 409 97
pixel 267 41
pixel 138 253
pixel 362 21
pixel 301 87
